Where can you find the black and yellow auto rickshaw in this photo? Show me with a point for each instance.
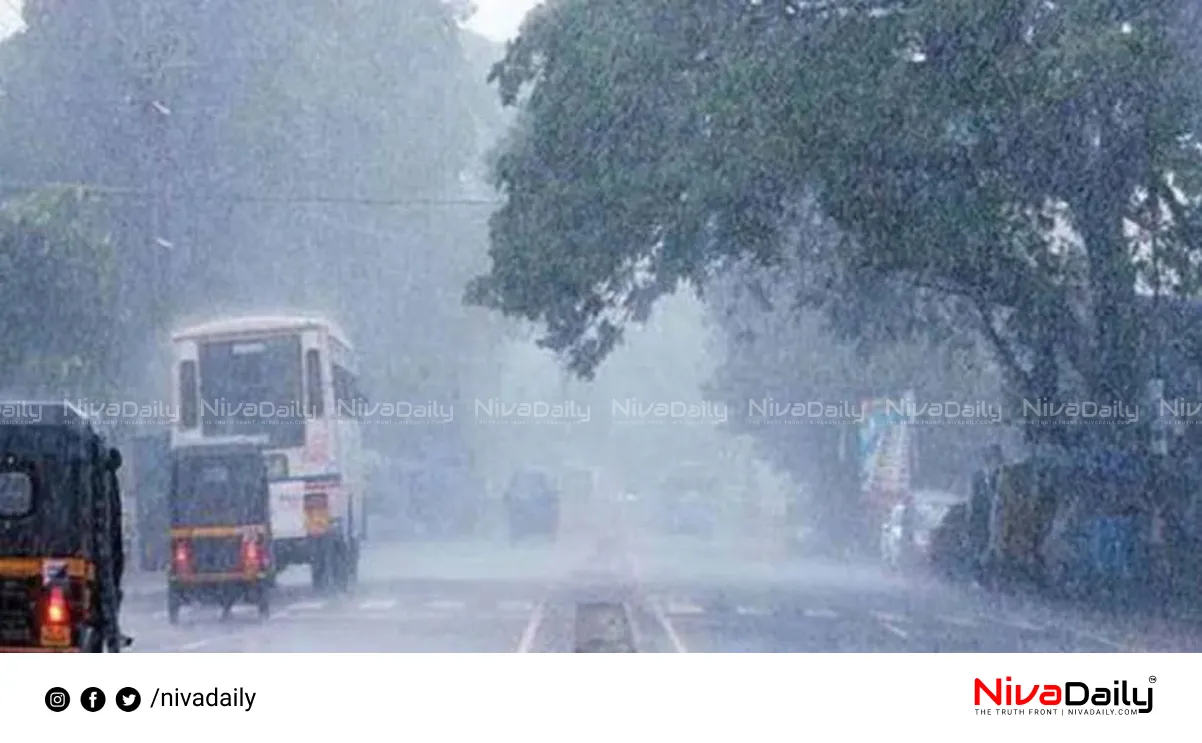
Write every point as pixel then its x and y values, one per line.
pixel 60 532
pixel 220 512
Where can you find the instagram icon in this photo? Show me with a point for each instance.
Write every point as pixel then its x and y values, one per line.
pixel 57 699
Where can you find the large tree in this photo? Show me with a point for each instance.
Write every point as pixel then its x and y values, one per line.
pixel 945 138
pixel 62 310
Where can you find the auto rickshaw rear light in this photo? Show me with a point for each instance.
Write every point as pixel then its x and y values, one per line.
pixel 252 555
pixel 57 611
pixel 181 557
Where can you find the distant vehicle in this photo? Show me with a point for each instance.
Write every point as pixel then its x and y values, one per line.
pixel 220 504
pixel 686 493
pixel 291 381
pixel 532 505
pixel 61 555
pixel 950 550
pixel 927 511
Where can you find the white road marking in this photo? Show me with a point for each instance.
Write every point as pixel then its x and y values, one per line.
pixel 355 617
pixel 896 630
pixel 352 618
pixel 635 636
pixel 159 616
pixel 378 605
pixel 889 618
pixel 683 607
pixel 531 631
pixel 751 611
pixel 190 646
pixel 445 605
pixel 677 644
pixel 306 606
pixel 820 614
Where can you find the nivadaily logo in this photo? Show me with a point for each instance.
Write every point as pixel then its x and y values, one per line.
pixel 1070 697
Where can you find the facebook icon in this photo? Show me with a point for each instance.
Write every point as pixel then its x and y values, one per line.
pixel 92 699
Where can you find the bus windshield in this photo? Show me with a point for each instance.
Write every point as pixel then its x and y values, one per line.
pixel 253 388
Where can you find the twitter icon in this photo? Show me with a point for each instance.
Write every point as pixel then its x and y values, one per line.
pixel 128 699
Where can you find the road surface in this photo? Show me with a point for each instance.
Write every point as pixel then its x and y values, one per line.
pixel 495 598
pixel 425 598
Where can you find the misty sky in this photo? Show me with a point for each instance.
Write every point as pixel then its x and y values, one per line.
pixel 496 19
pixel 10 16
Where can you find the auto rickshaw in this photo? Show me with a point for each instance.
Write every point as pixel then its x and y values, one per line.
pixel 220 513
pixel 60 532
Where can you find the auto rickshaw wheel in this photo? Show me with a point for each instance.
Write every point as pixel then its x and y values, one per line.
pixel 173 606
pixel 94 642
pixel 321 567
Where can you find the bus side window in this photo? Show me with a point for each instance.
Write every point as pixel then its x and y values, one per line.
pixel 313 382
pixel 189 413
pixel 344 392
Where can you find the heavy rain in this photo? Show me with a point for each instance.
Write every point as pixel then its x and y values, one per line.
pixel 600 326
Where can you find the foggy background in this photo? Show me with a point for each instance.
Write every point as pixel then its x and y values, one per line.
pixel 238 161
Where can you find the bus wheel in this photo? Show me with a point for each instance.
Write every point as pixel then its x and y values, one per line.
pixel 340 566
pixel 173 605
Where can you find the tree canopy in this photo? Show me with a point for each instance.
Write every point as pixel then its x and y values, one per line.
pixel 263 155
pixel 61 297
pixel 953 143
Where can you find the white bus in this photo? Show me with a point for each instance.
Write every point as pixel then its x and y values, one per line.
pixel 291 382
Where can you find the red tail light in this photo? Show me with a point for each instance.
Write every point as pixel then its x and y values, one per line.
pixel 57 611
pixel 252 555
pixel 182 558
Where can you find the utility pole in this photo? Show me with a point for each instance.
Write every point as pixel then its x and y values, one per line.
pixel 152 55
pixel 160 203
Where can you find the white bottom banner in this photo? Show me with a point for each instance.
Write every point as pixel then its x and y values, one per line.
pixel 559 698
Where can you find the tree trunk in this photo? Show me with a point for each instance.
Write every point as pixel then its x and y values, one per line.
pixel 1115 374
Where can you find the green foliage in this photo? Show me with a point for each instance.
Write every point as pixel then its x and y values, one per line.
pixel 664 139
pixel 61 310
pixel 791 354
pixel 274 105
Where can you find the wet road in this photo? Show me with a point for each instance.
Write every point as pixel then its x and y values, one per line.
pixel 818 620
pixel 802 606
pixel 494 598
pixel 457 598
